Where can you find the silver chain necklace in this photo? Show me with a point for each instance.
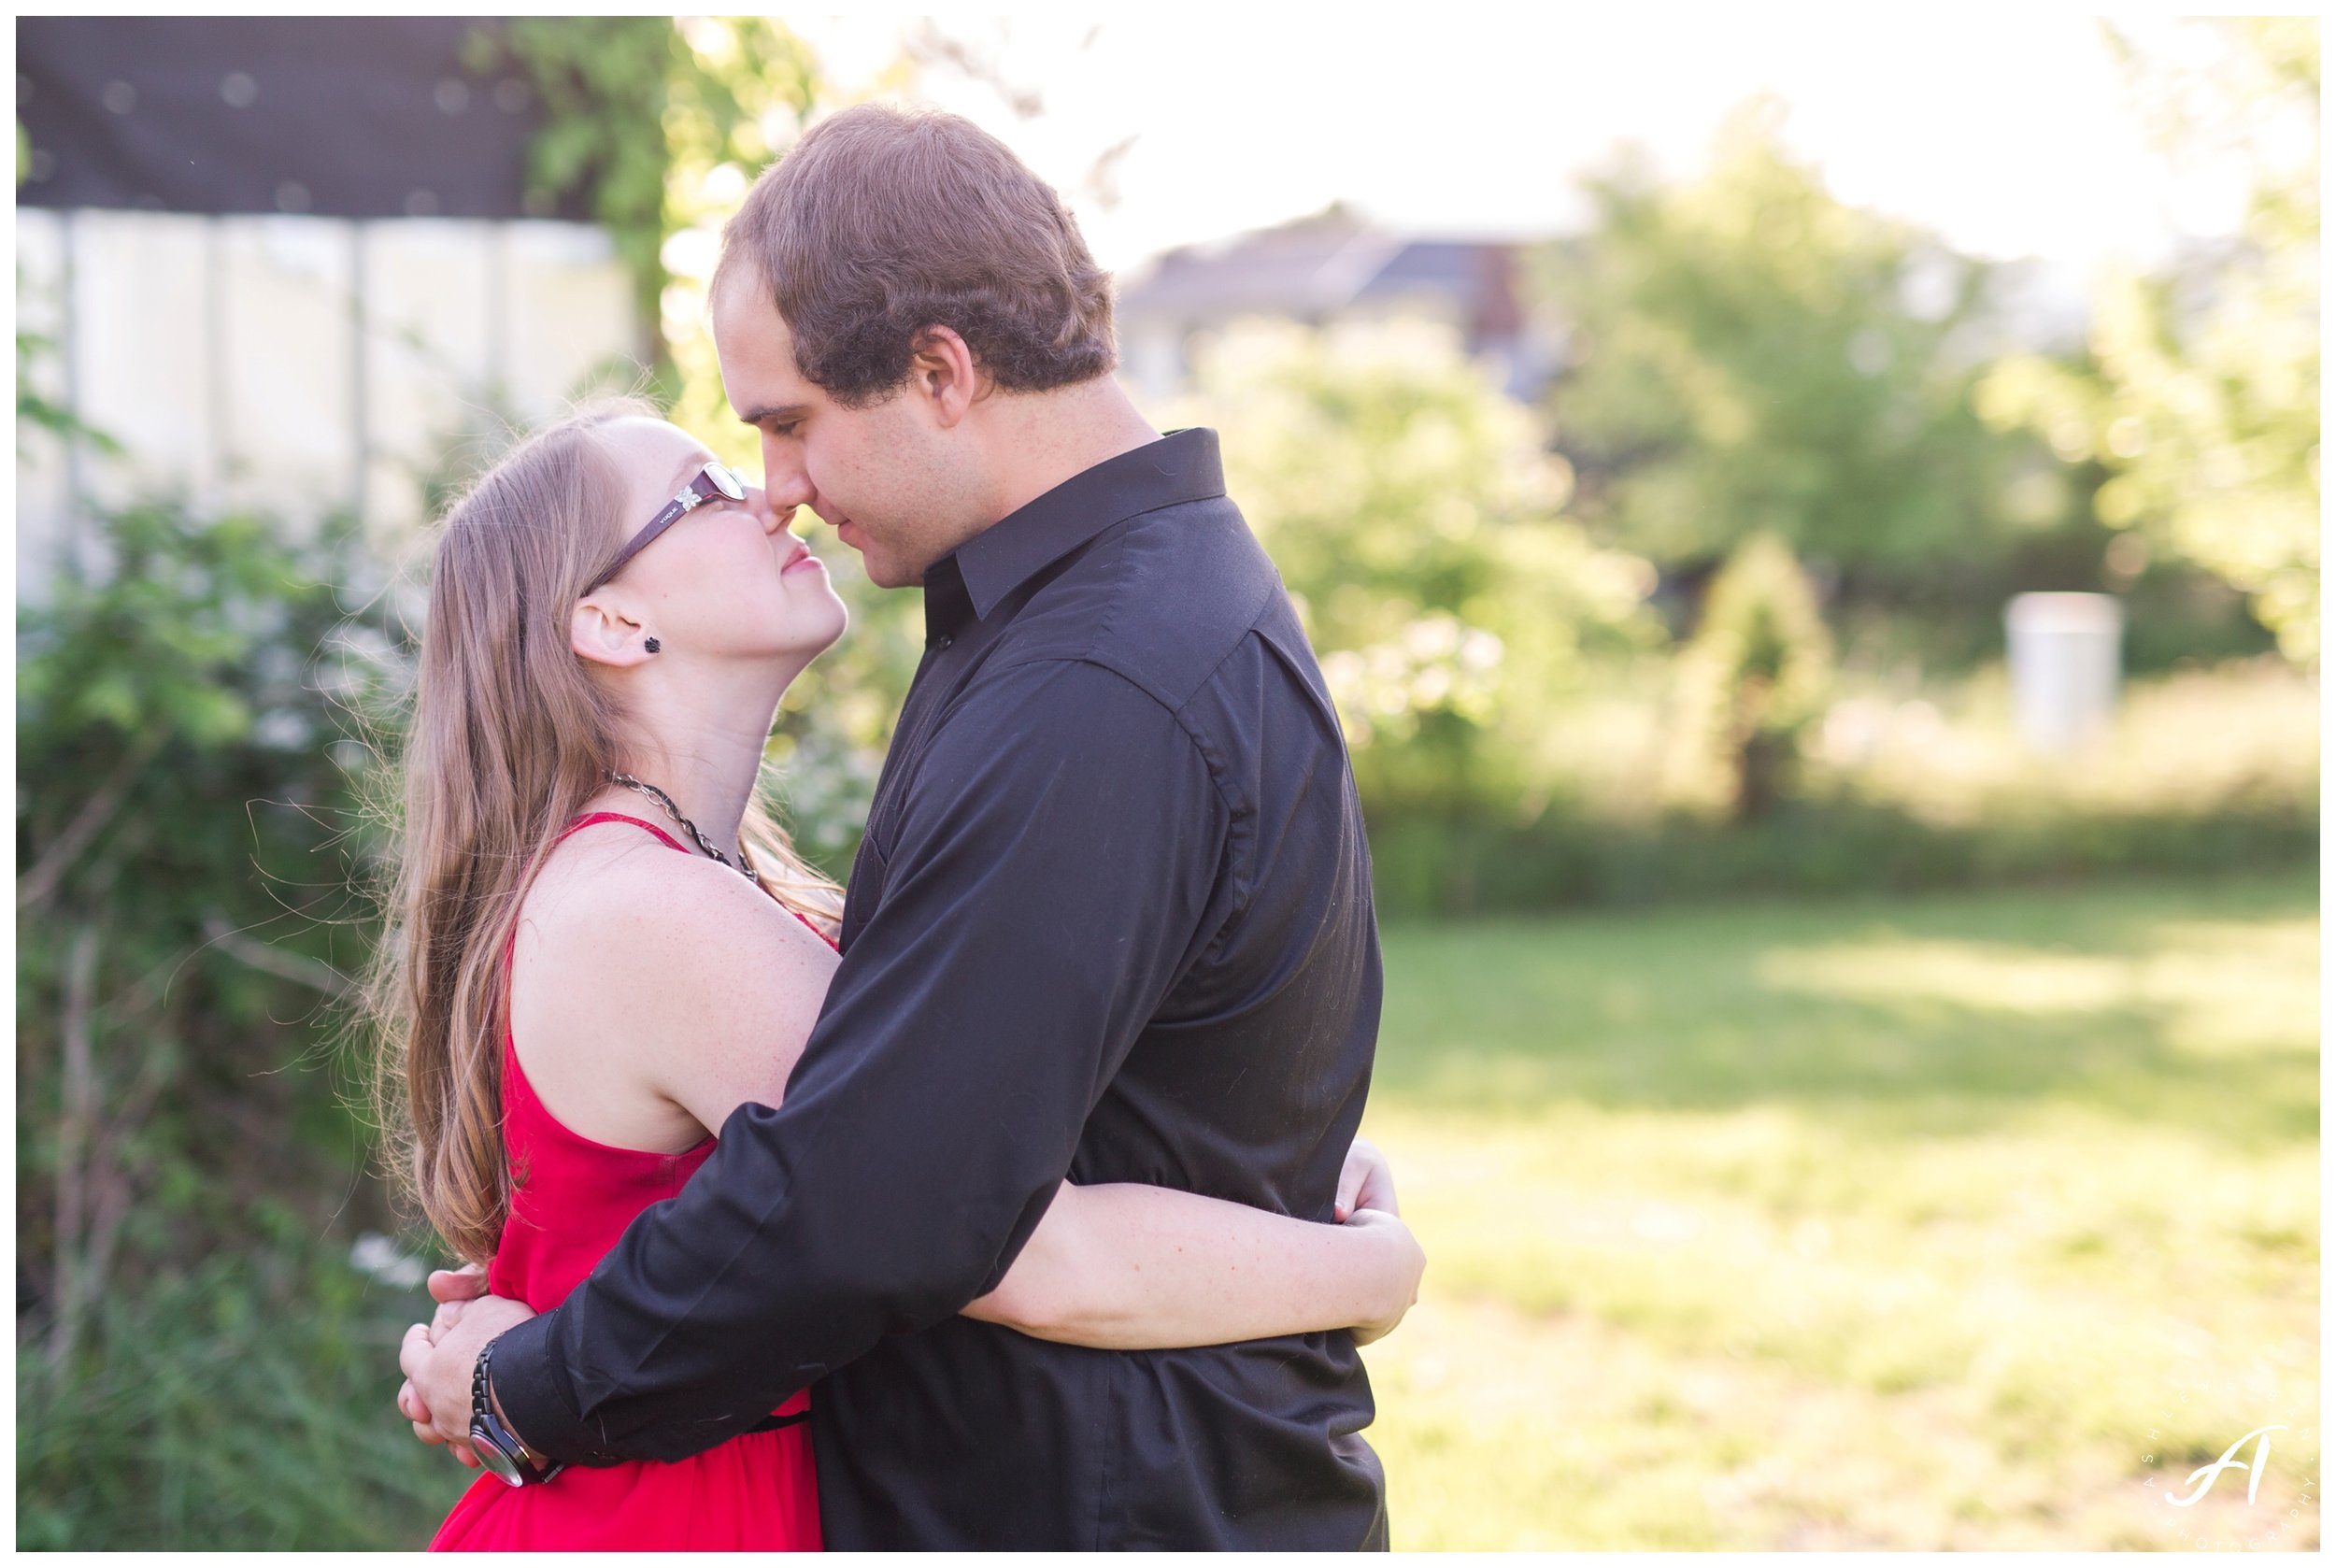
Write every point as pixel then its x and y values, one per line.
pixel 745 867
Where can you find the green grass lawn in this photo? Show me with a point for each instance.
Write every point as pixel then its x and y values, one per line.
pixel 1967 1221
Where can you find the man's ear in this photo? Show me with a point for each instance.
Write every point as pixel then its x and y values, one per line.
pixel 600 633
pixel 942 372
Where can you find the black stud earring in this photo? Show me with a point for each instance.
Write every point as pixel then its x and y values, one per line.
pixel 652 645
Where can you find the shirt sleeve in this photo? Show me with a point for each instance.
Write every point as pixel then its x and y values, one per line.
pixel 1056 855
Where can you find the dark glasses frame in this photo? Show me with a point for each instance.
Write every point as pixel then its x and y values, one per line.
pixel 713 482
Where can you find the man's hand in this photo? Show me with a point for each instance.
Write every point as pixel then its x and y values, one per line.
pixel 1365 1182
pixel 437 1358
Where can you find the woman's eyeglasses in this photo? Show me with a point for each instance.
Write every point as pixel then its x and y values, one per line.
pixel 713 482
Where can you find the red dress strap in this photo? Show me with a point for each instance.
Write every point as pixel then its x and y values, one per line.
pixel 589 817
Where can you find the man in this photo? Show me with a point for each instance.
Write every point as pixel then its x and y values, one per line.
pixel 1111 920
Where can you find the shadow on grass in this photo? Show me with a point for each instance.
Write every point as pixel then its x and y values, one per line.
pixel 1936 1015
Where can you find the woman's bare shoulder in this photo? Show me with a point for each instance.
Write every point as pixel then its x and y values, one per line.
pixel 609 882
pixel 615 875
pixel 643 971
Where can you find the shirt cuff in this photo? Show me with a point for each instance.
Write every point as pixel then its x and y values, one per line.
pixel 530 1384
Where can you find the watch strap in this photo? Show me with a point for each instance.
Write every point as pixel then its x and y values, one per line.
pixel 490 1432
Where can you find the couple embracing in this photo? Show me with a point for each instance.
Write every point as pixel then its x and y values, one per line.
pixel 1036 1216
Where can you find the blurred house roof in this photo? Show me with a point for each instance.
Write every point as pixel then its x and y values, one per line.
pixel 1321 265
pixel 345 116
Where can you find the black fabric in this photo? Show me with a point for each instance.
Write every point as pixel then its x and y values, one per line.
pixel 1112 919
pixel 346 117
pixel 773 1423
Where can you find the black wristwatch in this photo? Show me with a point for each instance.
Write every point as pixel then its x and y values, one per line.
pixel 497 1445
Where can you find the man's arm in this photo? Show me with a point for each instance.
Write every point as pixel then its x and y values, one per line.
pixel 1056 853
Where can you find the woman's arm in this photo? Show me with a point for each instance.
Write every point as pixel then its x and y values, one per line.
pixel 1125 1267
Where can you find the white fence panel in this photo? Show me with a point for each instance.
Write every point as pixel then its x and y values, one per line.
pixel 136 329
pixel 288 415
pixel 299 365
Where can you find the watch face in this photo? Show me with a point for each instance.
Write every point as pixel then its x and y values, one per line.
pixel 488 1446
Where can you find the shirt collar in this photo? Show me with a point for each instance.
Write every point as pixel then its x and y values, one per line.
pixel 1182 465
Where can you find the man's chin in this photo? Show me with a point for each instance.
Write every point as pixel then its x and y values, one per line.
pixel 889 574
pixel 879 572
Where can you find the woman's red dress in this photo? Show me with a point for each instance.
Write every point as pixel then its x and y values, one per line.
pixel 571 1200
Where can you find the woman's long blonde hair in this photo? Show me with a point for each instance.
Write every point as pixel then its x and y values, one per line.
pixel 508 738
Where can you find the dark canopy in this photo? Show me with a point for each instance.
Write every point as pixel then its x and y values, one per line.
pixel 356 117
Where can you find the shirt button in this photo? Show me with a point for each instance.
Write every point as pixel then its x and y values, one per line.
pixel 940 643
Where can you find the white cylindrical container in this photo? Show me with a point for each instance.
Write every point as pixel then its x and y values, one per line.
pixel 2063 650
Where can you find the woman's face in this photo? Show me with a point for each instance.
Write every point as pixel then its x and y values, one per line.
pixel 729 578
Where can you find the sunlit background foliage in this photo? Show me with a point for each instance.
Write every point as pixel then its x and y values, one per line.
pixel 2198 389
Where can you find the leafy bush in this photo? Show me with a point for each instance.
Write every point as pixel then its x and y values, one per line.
pixel 185 921
pixel 1466 866
pixel 2204 772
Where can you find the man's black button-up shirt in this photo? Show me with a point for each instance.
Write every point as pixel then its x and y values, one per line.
pixel 1111 919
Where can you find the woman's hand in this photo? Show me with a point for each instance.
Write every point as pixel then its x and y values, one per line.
pixel 1409 1262
pixel 1365 1182
pixel 1366 1201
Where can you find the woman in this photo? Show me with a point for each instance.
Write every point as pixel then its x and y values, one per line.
pixel 602 664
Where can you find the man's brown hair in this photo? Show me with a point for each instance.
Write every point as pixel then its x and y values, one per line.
pixel 883 221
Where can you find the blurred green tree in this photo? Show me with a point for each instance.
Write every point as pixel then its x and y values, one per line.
pixel 2198 391
pixel 1750 355
pixel 1756 675
pixel 1417 520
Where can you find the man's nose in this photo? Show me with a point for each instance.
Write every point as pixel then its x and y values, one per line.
pixel 767 511
pixel 784 476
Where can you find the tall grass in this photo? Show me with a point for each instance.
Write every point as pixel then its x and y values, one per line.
pixel 244 1404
